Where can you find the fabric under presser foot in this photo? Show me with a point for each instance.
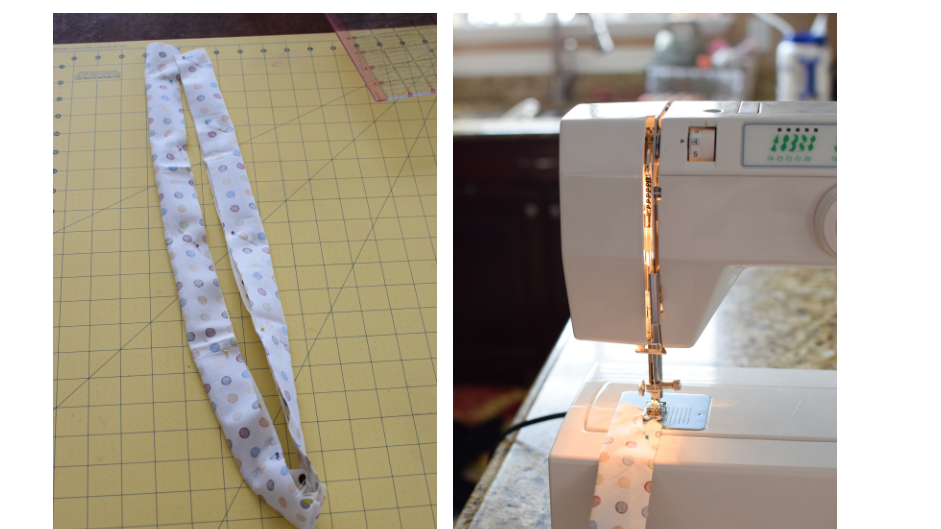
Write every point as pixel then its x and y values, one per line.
pixel 625 470
pixel 297 494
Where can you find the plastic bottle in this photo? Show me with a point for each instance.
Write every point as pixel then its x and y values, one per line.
pixel 803 68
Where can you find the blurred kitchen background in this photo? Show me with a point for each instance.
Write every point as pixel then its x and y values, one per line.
pixel 515 75
pixel 561 60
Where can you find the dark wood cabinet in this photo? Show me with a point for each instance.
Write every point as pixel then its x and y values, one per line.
pixel 509 290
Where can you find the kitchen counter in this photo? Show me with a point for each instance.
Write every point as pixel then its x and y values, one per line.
pixel 782 318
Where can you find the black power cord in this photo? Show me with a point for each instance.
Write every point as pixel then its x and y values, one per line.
pixel 525 424
pixel 532 422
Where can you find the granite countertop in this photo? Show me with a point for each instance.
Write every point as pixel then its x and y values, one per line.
pixel 773 317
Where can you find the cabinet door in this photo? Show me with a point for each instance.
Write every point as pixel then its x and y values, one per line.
pixel 500 294
pixel 558 297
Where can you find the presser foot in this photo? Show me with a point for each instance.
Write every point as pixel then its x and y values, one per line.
pixel 655 410
pixel 679 411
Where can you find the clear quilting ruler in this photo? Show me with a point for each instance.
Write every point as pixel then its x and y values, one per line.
pixel 395 54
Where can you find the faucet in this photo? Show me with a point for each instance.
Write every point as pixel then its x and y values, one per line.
pixel 564 76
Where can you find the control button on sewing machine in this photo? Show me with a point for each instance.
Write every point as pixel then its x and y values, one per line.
pixel 701 144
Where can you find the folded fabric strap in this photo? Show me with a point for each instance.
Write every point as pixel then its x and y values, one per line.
pixel 625 471
pixel 296 494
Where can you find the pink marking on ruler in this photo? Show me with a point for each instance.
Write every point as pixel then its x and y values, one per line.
pixel 364 69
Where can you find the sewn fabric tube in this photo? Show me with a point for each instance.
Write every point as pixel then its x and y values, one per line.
pixel 297 494
pixel 625 470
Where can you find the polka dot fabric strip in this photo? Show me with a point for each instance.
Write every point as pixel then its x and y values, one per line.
pixel 248 245
pixel 625 471
pixel 296 494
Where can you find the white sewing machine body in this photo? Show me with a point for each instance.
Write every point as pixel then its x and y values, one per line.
pixel 764 196
pixel 715 218
pixel 767 457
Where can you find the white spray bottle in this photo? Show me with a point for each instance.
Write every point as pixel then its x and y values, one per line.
pixel 803 61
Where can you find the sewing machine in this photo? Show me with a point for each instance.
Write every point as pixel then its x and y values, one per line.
pixel 663 205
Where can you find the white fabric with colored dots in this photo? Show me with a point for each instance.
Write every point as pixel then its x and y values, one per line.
pixel 625 470
pixel 297 494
